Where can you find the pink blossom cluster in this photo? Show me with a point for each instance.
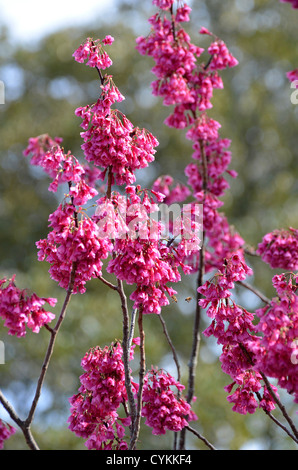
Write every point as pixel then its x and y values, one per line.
pixel 95 413
pixel 278 327
pixel 95 410
pixel 94 53
pixel 248 386
pixel 188 86
pixel 73 242
pixel 111 142
pixel 163 409
pixel 20 309
pixel 145 260
pixel 6 431
pixel 280 249
pixel 39 146
pixel 173 192
pixel 62 168
pixel 233 327
pixel 292 75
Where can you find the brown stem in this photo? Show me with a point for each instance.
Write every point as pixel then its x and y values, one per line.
pixel 22 424
pixel 101 77
pixel 126 354
pixel 175 356
pixel 110 179
pixel 255 291
pixel 107 283
pixel 276 400
pixel 50 349
pixel 196 433
pixel 25 425
pixel 281 407
pixel 142 371
pixel 173 23
pixel 196 329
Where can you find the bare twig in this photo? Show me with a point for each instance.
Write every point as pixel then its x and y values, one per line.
pixel 22 424
pixel 276 400
pixel 107 283
pixel 196 330
pixel 126 354
pixel 142 371
pixel 196 433
pixel 25 425
pixel 255 291
pixel 175 356
pixel 282 409
pixel 50 349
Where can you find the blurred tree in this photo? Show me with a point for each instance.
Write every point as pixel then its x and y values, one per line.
pixel 44 85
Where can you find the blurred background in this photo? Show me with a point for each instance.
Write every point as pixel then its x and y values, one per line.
pixel 43 86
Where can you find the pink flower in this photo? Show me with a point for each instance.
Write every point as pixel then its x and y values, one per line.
pixel 94 410
pixel 111 141
pixel 221 56
pixel 182 13
pixel 204 30
pixel 163 4
pixel 293 2
pixel 293 74
pixel 278 329
pixel 73 242
pixel 108 40
pixel 92 52
pixel 280 249
pixel 6 431
pixel 20 309
pixel 162 408
pixel 39 146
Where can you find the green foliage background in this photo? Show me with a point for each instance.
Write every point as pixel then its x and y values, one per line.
pixel 44 85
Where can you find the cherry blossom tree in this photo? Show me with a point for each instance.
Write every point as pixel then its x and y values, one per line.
pixel 121 237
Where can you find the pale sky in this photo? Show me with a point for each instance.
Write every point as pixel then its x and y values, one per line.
pixel 31 19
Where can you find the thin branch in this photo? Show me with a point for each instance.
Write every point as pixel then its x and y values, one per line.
pixel 22 424
pixel 101 77
pixel 208 63
pixel 142 371
pixel 276 400
pixel 175 356
pixel 107 283
pixel 176 360
pixel 282 408
pixel 50 349
pixel 196 330
pixel 110 180
pixel 26 424
pixel 196 433
pixel 126 354
pixel 255 291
